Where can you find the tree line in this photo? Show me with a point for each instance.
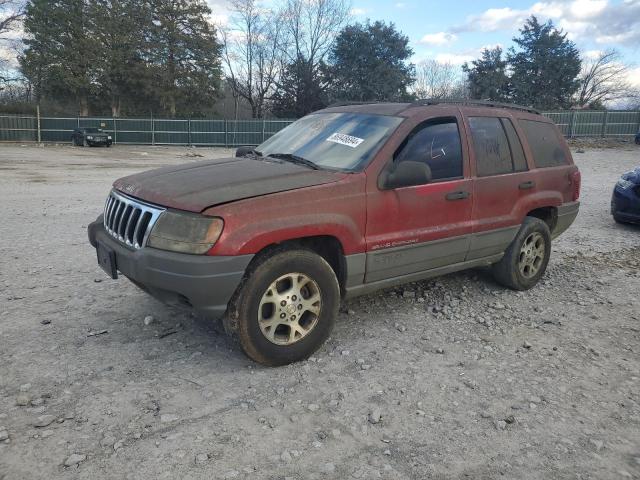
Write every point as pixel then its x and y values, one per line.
pixel 166 57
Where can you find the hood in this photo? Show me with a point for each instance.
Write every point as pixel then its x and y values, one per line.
pixel 633 176
pixel 197 186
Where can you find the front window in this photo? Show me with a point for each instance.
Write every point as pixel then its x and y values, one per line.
pixel 343 141
pixel 92 130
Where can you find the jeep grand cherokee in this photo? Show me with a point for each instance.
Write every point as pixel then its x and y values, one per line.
pixel 343 202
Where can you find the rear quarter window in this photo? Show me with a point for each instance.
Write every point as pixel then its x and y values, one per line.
pixel 545 144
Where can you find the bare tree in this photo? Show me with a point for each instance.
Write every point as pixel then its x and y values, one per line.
pixel 311 27
pixel 252 48
pixel 603 79
pixel 11 13
pixel 439 80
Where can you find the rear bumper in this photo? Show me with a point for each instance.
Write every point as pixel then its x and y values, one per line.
pixel 567 213
pixel 203 282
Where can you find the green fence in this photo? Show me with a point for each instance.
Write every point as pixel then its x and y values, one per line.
pixel 232 133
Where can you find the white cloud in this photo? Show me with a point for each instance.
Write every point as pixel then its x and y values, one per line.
pixel 633 77
pixel 455 58
pixel 358 11
pixel 600 20
pixel 401 5
pixel 439 38
pixel 587 8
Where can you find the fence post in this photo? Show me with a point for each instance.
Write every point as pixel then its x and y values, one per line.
pixel 572 123
pixel 115 130
pixel 604 123
pixel 226 133
pixel 39 131
pixel 189 130
pixel 153 131
pixel 263 125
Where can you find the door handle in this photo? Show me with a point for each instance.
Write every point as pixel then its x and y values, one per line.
pixel 527 185
pixel 460 195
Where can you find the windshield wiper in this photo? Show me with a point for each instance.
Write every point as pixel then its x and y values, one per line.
pixel 289 157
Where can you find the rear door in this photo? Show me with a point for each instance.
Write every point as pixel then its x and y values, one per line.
pixel 502 182
pixel 551 156
pixel 422 227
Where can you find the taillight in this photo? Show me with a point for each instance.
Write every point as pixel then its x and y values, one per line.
pixel 576 179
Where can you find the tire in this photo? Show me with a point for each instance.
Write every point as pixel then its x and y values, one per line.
pixel 527 257
pixel 256 316
pixel 617 219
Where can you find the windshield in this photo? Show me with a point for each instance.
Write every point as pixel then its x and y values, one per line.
pixel 92 130
pixel 344 141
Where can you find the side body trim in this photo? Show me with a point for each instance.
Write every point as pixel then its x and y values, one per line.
pixel 366 288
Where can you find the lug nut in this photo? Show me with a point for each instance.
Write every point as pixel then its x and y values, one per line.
pixel 283 303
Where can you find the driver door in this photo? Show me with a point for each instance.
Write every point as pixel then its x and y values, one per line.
pixel 428 225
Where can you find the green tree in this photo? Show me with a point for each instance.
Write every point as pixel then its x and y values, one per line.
pixel 371 62
pixel 301 90
pixel 487 76
pixel 60 50
pixel 184 54
pixel 545 66
pixel 121 29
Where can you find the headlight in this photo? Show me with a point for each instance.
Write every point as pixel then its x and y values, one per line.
pixel 109 137
pixel 89 137
pixel 185 232
pixel 625 184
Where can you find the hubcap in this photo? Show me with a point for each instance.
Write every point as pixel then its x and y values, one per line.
pixel 289 309
pixel 531 255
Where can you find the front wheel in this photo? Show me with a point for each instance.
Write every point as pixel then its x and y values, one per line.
pixel 526 259
pixel 286 307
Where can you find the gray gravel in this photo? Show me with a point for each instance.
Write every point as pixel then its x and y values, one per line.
pixel 450 378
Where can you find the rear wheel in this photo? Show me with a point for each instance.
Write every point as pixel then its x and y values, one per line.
pixel 526 259
pixel 286 307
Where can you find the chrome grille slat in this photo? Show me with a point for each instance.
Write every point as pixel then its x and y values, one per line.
pixel 129 220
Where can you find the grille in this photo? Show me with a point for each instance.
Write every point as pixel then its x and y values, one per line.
pixel 129 220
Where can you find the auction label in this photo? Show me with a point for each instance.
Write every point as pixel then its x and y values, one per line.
pixel 347 140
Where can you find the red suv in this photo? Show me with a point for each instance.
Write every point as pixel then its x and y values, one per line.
pixel 343 202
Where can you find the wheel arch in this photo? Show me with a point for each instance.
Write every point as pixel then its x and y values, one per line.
pixel 548 215
pixel 328 247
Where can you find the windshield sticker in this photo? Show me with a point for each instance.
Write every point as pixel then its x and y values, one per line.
pixel 346 140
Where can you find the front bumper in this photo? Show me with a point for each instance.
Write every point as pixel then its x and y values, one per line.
pixel 625 205
pixel 203 282
pixel 100 141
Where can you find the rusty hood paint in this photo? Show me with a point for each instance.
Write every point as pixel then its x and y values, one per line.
pixel 197 186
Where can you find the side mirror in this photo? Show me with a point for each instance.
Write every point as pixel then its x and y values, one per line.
pixel 404 174
pixel 244 151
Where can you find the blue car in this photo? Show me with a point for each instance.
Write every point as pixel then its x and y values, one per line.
pixel 625 203
pixel 638 138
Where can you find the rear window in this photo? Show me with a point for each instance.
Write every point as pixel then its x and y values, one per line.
pixel 497 147
pixel 544 143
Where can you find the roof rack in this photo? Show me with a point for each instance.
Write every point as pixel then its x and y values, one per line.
pixel 348 104
pixel 483 103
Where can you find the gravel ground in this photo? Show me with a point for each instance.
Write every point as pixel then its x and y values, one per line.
pixel 450 378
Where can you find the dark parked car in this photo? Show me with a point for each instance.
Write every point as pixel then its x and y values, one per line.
pixel 343 202
pixel 638 138
pixel 90 137
pixel 625 202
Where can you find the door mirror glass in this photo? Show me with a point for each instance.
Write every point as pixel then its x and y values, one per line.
pixel 405 174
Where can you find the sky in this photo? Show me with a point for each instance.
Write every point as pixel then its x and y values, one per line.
pixel 456 31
